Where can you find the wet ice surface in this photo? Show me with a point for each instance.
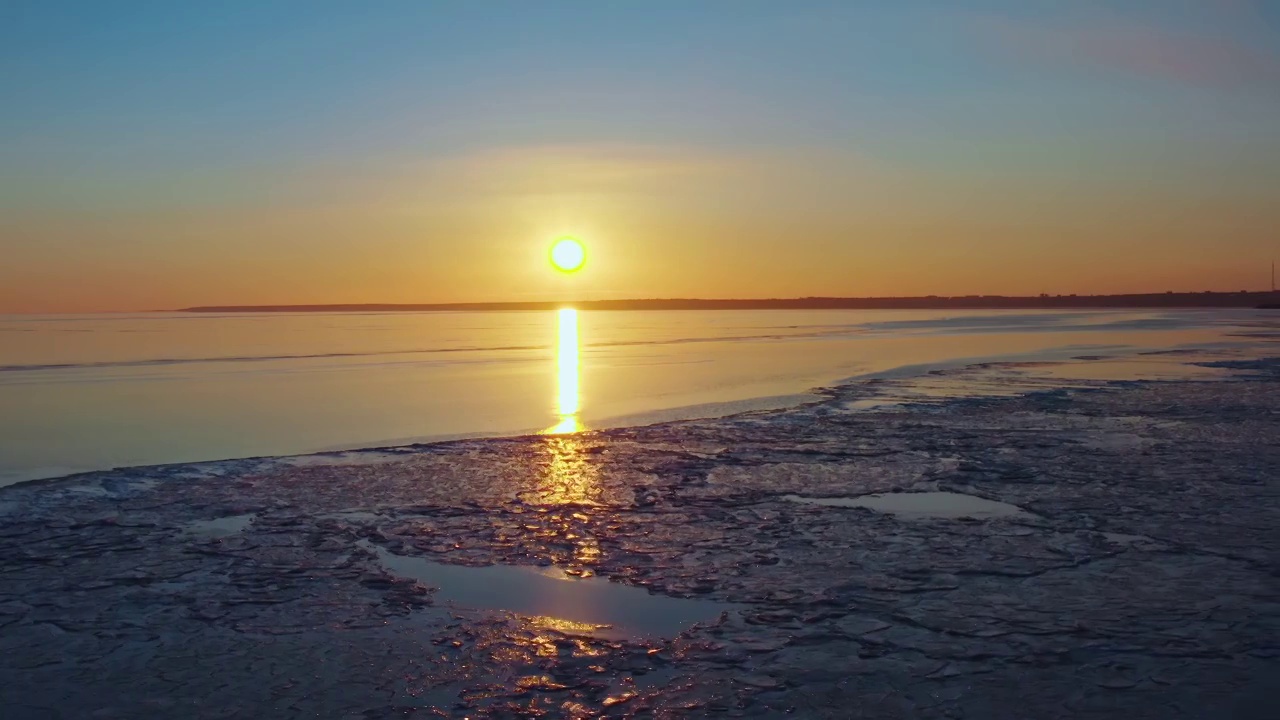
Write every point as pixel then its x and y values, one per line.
pixel 1015 379
pixel 345 457
pixel 920 505
pixel 1140 583
pixel 589 605
pixel 220 527
pixel 1132 368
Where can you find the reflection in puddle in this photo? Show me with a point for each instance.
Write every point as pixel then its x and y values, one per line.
pixel 921 505
pixel 556 601
pixel 220 527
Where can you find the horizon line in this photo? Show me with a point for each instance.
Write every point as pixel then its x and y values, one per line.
pixel 1169 298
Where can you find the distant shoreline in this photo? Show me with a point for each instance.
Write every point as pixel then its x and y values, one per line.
pixel 931 302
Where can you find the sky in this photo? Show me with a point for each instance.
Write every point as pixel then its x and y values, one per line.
pixel 160 155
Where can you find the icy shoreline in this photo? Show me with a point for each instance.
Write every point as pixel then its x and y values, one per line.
pixel 1187 364
pixel 1136 577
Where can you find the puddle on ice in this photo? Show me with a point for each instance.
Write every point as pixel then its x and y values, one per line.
pixel 220 527
pixel 921 505
pixel 592 605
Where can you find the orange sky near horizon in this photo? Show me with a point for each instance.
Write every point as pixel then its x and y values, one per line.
pixel 652 221
pixel 826 149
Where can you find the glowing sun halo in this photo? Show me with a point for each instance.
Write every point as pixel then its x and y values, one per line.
pixel 568 254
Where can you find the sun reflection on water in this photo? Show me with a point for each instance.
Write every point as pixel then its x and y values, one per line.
pixel 570 492
pixel 568 395
pixel 569 483
pixel 568 478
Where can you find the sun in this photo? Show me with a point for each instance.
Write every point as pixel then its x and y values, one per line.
pixel 568 254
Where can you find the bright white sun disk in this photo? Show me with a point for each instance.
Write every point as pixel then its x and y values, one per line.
pixel 568 254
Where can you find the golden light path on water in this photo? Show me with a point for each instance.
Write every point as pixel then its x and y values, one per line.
pixel 569 481
pixel 568 398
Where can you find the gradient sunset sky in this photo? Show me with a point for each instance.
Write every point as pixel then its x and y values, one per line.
pixel 165 154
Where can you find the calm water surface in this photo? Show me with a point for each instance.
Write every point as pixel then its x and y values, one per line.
pixel 98 391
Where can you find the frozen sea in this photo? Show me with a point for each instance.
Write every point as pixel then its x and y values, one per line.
pixel 92 392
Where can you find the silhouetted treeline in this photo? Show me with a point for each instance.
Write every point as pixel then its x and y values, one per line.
pixel 930 302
